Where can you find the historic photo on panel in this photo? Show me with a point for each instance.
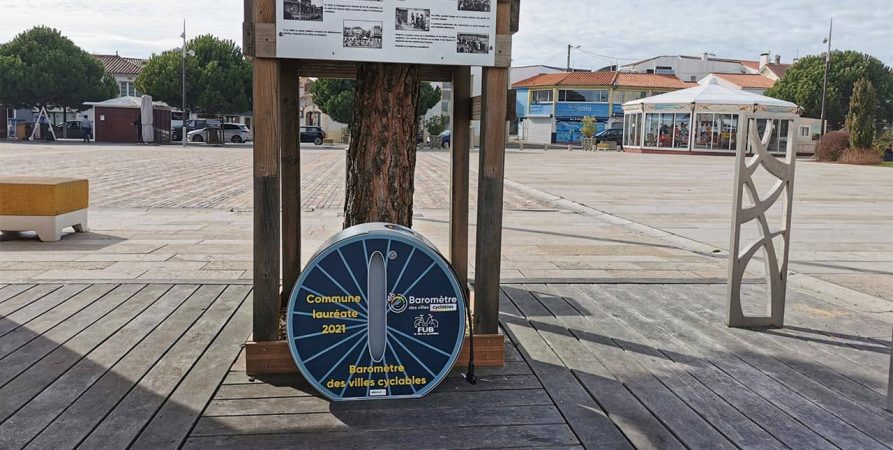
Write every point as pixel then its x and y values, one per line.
pixel 472 43
pixel 362 34
pixel 474 5
pixel 302 10
pixel 410 19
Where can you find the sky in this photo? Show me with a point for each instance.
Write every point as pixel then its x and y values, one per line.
pixel 620 31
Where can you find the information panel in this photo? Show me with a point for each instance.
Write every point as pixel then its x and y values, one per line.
pixel 452 32
pixel 377 313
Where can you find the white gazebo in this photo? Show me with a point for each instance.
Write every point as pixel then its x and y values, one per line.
pixel 708 118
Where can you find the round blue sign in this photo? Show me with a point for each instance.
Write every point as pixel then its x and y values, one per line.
pixel 377 313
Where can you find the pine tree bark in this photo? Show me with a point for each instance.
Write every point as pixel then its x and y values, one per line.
pixel 381 157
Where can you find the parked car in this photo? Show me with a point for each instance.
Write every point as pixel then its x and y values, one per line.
pixel 232 132
pixel 73 128
pixel 446 138
pixel 610 135
pixel 191 125
pixel 313 134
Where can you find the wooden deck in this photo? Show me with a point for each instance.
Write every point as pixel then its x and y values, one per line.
pixel 596 366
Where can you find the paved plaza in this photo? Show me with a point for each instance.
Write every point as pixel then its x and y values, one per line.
pixel 167 212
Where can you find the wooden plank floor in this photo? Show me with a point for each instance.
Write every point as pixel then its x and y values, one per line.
pixel 595 366
pixel 113 365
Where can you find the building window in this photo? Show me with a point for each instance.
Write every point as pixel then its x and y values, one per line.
pixel 542 96
pixel 804 131
pixel 585 96
pixel 621 97
pixel 127 89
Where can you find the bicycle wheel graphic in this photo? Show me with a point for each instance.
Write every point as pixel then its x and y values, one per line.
pixel 358 317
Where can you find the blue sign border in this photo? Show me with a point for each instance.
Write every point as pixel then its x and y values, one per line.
pixel 419 246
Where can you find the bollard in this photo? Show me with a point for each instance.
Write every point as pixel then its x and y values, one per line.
pixel 570 148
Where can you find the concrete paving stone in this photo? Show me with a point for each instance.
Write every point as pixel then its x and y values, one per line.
pixel 670 274
pixel 45 265
pixel 871 284
pixel 134 266
pixel 88 275
pixel 212 257
pixel 124 257
pixel 164 274
pixel 562 273
pixel 228 265
pixel 18 276
pixel 7 255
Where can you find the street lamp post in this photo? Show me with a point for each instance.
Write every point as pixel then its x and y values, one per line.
pixel 825 82
pixel 569 48
pixel 184 54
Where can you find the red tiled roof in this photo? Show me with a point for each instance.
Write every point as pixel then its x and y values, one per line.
pixel 115 64
pixel 778 69
pixel 747 81
pixel 650 80
pixel 753 65
pixel 619 79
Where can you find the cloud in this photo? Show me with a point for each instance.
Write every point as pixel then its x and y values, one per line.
pixel 618 31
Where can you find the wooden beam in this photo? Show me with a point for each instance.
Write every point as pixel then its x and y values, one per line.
pixel 248 28
pixel 460 143
pixel 490 187
pixel 266 187
pixel 348 70
pixel 266 358
pixel 289 106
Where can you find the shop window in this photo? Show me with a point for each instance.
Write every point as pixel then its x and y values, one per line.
pixel 544 96
pixel 587 96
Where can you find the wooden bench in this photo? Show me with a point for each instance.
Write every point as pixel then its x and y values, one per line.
pixel 45 205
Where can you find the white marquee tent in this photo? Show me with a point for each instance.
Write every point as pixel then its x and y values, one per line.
pixel 704 118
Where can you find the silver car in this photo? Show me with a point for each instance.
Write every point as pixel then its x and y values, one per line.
pixel 232 132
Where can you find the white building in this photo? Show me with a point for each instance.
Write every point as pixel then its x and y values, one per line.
pixel 125 71
pixel 688 68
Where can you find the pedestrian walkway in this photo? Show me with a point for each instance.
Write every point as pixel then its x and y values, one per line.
pixel 594 365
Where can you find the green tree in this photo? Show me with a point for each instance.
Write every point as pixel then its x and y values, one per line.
pixel 336 98
pixel 588 128
pixel 802 84
pixel 436 124
pixel 42 68
pixel 218 77
pixel 860 121
pixel 428 98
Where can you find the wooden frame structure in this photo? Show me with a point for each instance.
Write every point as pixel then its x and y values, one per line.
pixel 277 186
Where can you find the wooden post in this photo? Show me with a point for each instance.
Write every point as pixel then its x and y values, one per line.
pixel 490 187
pixel 266 186
pixel 289 105
pixel 459 144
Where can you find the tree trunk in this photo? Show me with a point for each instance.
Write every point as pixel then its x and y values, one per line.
pixel 381 156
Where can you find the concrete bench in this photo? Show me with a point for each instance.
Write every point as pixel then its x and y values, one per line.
pixel 45 205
